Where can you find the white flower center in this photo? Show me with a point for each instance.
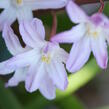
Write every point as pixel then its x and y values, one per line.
pixel 93 31
pixel 17 3
pixel 49 52
pixel 46 58
pixel 46 54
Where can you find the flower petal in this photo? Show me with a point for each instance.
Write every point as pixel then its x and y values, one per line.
pixel 75 13
pixel 46 4
pixel 100 19
pixel 4 4
pixel 7 17
pixel 23 59
pixel 107 34
pixel 58 74
pixel 24 14
pixel 19 76
pixel 70 36
pixel 39 27
pixel 61 55
pixel 79 55
pixel 31 33
pixel 11 40
pixel 4 69
pixel 47 88
pixel 99 49
pixel 35 29
pixel 34 76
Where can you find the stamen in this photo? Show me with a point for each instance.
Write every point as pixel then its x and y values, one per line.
pixel 92 33
pixel 19 1
pixel 95 34
pixel 46 59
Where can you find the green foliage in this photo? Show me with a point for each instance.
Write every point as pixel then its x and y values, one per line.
pixel 4 54
pixel 106 9
pixel 8 99
pixel 69 102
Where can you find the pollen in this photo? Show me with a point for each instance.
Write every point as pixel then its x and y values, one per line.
pixel 19 2
pixel 46 59
pixel 95 34
pixel 92 33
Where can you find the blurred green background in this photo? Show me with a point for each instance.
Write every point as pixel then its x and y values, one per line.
pixel 88 88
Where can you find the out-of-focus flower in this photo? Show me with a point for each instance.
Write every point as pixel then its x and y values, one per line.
pixel 42 64
pixel 90 34
pixel 22 9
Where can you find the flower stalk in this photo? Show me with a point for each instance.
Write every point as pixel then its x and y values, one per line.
pixel 102 6
pixel 54 24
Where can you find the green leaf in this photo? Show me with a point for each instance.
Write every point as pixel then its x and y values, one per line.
pixel 39 103
pixel 8 99
pixel 4 53
pixel 106 9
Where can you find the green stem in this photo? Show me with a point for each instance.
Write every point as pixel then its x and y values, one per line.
pixel 80 78
pixel 7 99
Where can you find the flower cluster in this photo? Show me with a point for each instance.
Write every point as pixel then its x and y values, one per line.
pixel 41 64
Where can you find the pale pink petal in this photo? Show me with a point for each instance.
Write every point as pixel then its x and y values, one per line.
pixel 75 13
pixel 38 26
pixel 99 49
pixel 58 74
pixel 4 69
pixel 11 40
pixel 46 4
pixel 100 19
pixel 47 88
pixel 18 77
pixel 24 14
pixel 34 76
pixel 23 59
pixel 31 34
pixel 62 55
pixel 4 3
pixel 26 36
pixel 106 31
pixel 107 35
pixel 7 17
pixel 35 29
pixel 79 55
pixel 70 36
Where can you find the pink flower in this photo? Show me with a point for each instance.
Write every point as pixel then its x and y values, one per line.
pixel 90 34
pixel 22 9
pixel 41 65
